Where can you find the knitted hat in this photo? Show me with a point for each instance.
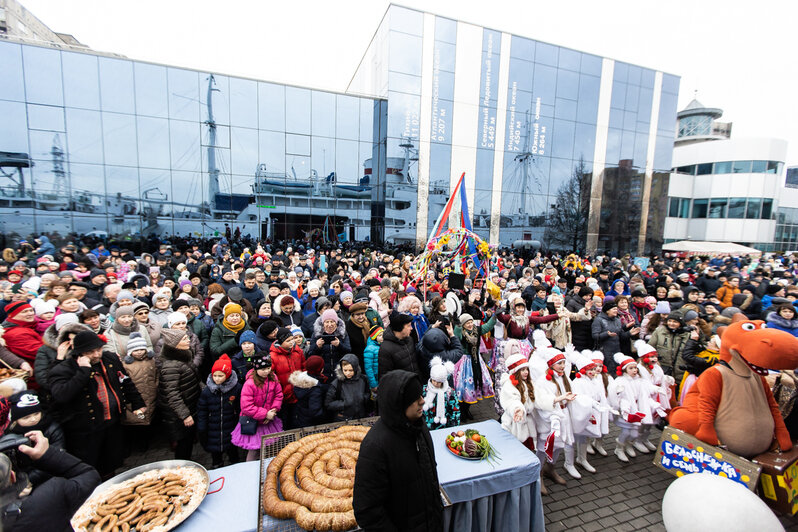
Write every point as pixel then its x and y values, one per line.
pixel 177 303
pixel 690 315
pixel 232 308
pixel 123 311
pixel 24 404
pixel 246 336
pixel 772 289
pixel 160 295
pixel 314 365
pixel 582 363
pixel 224 365
pixel 184 282
pixel 14 308
pixel 262 362
pixel 622 361
pixel 44 307
pixel 329 315
pixel 465 318
pixel 235 294
pixel 663 307
pixel 608 305
pixel 85 341
pixel 296 330
pixel 134 343
pixel 516 362
pixel 174 318
pixel 322 302
pixel 676 315
pixel 375 332
pixel 343 295
pixel 172 337
pixel 283 334
pixel 140 305
pixel 553 356
pixel 63 319
pixel 192 302
pixel 125 295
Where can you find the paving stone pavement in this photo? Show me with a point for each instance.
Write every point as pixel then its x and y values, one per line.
pixel 617 497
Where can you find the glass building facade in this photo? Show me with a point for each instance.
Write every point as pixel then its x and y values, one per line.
pixel 98 143
pixel 90 143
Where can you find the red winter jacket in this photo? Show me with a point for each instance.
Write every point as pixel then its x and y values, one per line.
pixel 283 365
pixel 22 339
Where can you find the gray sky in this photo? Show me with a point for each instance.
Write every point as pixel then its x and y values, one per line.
pixel 739 55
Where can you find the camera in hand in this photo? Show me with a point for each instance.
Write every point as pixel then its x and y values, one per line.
pixel 328 338
pixel 10 442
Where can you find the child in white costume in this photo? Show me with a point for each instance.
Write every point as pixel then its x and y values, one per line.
pixel 557 427
pixel 603 380
pixel 630 394
pixel 520 400
pixel 587 384
pixel 650 370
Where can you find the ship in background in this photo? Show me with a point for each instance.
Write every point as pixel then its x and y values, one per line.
pixel 279 205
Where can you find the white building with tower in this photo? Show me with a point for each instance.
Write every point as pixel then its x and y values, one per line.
pixel 723 189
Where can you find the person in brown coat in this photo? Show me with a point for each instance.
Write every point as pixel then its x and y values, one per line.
pixel 140 365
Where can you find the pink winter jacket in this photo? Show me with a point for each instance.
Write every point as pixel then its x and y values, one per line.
pixel 257 401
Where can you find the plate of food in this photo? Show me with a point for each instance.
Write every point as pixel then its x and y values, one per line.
pixel 155 497
pixel 470 445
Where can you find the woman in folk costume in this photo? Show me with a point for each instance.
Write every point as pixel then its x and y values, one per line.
pixel 472 379
pixel 517 323
pixel 601 381
pixel 556 429
pixel 650 370
pixel 559 330
pixel 520 399
pixel 630 394
pixel 504 350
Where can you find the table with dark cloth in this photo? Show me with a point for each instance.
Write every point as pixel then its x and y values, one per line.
pixel 504 496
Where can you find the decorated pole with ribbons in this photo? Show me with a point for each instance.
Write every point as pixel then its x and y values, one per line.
pixel 456 244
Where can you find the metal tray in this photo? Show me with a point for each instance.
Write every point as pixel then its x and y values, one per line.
pixel 164 464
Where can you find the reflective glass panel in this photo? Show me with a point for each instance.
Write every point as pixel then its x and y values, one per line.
pixel 13 87
pixel 347 117
pixel 740 167
pixel 404 53
pixel 14 131
pixel 185 145
pixel 151 90
pixel 272 153
pixel 297 144
pixel 244 103
pixel 153 141
pixel 736 208
pixel 297 110
pixel 244 151
pixel 271 106
pixel 323 113
pixel 759 167
pixel 753 208
pixel 81 80
pixel 42 75
pixel 699 208
pixel 84 136
pixel 46 117
pixel 184 99
pixel 119 139
pixel 723 167
pixel 767 208
pixel 116 85
pixel 717 208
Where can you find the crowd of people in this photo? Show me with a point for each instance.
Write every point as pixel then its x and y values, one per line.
pixel 221 345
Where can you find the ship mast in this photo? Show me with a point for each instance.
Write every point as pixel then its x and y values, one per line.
pixel 213 172
pixel 59 184
pixel 524 157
